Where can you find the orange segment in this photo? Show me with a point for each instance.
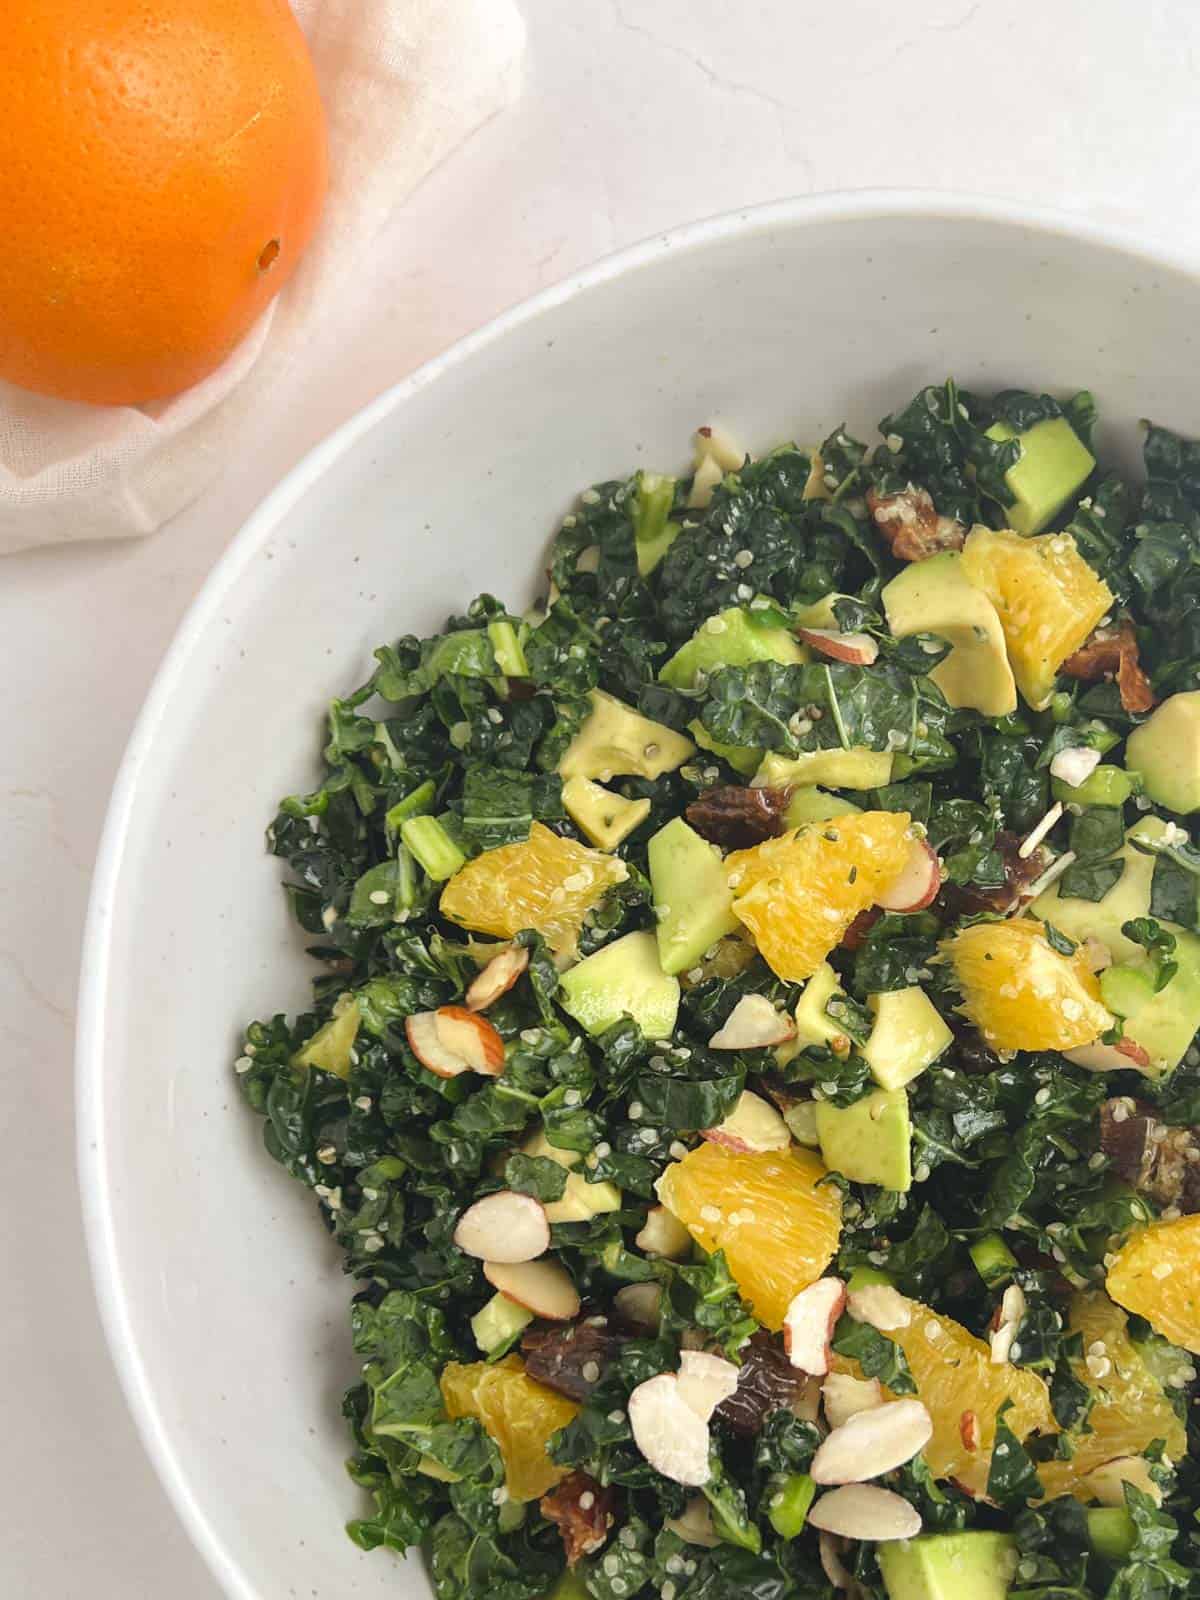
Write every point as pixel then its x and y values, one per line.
pixel 778 1230
pixel 544 882
pixel 1132 1409
pixel 1047 597
pixel 519 1414
pixel 1021 994
pixel 954 1373
pixel 1157 1275
pixel 799 893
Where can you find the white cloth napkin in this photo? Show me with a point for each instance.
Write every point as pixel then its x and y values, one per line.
pixel 404 82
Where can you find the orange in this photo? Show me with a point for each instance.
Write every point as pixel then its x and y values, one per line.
pixel 799 893
pixel 1155 1275
pixel 1020 993
pixel 1131 1408
pixel 954 1374
pixel 778 1230
pixel 1047 597
pixel 164 168
pixel 543 882
pixel 519 1414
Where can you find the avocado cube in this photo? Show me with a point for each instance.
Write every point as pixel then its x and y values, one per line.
pixel 1054 465
pixel 814 1026
pixel 815 805
pixel 732 638
pixel 856 768
pixel 330 1047
pixel 617 739
pixel 692 898
pixel 622 979
pixel 1128 898
pixel 1126 990
pixel 908 1036
pixel 605 819
pixel 498 1323
pixel 949 1566
pixel 936 596
pixel 744 759
pixel 1165 1024
pixel 869 1141
pixel 1165 749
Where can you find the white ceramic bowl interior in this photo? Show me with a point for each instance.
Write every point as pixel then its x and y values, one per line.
pixel 224 1304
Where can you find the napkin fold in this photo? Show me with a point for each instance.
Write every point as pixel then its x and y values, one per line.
pixel 404 82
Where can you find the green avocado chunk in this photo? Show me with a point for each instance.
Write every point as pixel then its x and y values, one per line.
pixel 813 1024
pixel 856 768
pixel 617 739
pixel 498 1323
pixel 1054 465
pixel 330 1047
pixel 908 1036
pixel 870 1141
pixel 604 818
pixel 622 979
pixel 949 1566
pixel 815 805
pixel 732 638
pixel 744 759
pixel 692 898
pixel 936 596
pixel 1165 1024
pixel 1166 751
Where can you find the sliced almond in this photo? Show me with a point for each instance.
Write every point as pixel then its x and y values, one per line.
pixel 663 1234
pixel 471 1037
pixel 712 440
pixel 916 885
pixel 638 1305
pixel 753 1024
pixel 753 1124
pixel 705 1380
pixel 861 1511
pixel 542 1287
pixel 829 1548
pixel 504 1228
pixel 871 1443
pixel 695 1524
pixel 806 1402
pixel 1005 1324
pixel 497 978
pixel 1124 1056
pixel 669 1434
pixel 844 1397
pixel 879 1305
pixel 858 648
pixel 425 1042
pixel 809 1323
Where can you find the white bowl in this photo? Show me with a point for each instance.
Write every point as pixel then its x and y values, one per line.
pixel 223 1303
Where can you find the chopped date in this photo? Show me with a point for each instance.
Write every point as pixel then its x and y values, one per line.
pixel 1020 874
pixel 858 930
pixel 910 523
pixel 768 1382
pixel 1113 652
pixel 737 818
pixel 569 1359
pixel 584 1511
pixel 1160 1162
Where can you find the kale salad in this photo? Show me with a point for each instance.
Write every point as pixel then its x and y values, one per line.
pixel 751 1075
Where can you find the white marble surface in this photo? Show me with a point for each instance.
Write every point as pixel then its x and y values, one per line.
pixel 636 115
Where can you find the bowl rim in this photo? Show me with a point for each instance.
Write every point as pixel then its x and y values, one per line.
pixel 270 513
